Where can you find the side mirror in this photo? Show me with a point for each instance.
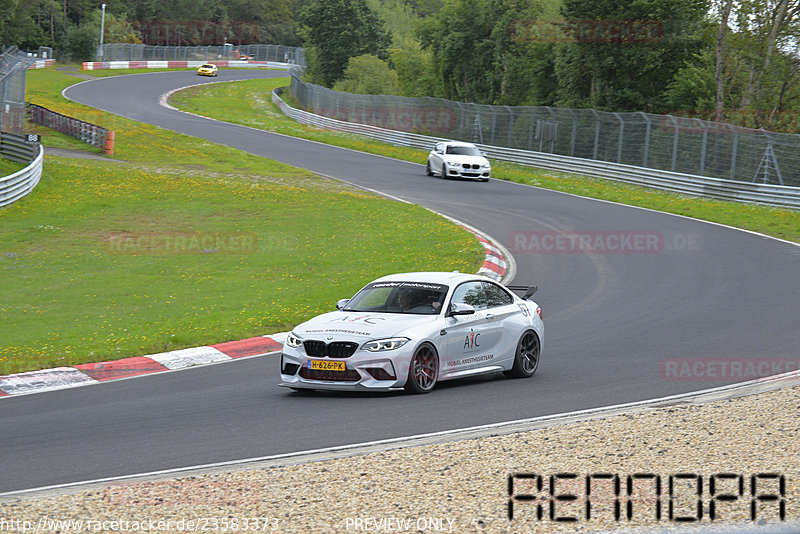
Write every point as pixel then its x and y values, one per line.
pixel 460 309
pixel 341 303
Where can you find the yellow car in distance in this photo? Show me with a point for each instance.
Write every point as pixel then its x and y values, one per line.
pixel 207 69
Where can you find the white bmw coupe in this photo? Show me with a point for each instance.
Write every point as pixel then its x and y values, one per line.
pixel 412 330
pixel 454 159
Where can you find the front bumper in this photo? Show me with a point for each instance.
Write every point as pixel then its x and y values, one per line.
pixel 473 174
pixel 364 371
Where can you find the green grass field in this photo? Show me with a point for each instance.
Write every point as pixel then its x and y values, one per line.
pixel 8 166
pixel 249 103
pixel 187 243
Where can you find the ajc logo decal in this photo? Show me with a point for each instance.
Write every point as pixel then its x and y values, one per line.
pixel 471 340
pixel 366 319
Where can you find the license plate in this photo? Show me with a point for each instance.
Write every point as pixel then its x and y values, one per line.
pixel 326 365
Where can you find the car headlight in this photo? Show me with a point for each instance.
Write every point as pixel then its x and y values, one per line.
pixel 452 163
pixel 385 344
pixel 293 341
pixel 486 166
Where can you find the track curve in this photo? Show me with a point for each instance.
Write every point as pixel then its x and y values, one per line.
pixel 612 321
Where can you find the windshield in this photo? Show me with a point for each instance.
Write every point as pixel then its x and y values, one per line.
pixel 463 150
pixel 418 298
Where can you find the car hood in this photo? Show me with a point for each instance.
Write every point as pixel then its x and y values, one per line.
pixel 341 325
pixel 479 160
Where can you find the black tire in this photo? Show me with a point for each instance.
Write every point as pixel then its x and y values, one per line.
pixel 526 358
pixel 428 170
pixel 444 171
pixel 423 370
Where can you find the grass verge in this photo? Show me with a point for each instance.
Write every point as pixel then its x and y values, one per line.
pixel 249 103
pixel 8 166
pixel 188 243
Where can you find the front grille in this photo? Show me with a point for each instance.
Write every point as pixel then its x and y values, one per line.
pixel 473 166
pixel 349 375
pixel 337 349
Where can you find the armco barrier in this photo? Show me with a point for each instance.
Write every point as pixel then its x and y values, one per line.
pixel 773 195
pixel 19 184
pixel 90 134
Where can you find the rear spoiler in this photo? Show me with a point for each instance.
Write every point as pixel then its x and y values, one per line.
pixel 528 290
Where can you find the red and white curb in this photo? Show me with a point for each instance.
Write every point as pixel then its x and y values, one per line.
pixel 92 373
pixel 494 265
pixel 42 63
pixel 498 264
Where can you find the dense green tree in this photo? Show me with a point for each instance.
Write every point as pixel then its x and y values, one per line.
pixel 337 30
pixel 415 71
pixel 460 37
pixel 18 26
pixel 747 72
pixel 607 69
pixel 368 75
pixel 81 42
pixel 479 56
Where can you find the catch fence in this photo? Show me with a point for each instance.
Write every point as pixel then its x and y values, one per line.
pixel 670 143
pixel 13 65
pixel 256 52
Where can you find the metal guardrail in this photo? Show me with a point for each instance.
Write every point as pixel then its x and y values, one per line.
pixel 17 185
pixel 773 195
pixel 87 132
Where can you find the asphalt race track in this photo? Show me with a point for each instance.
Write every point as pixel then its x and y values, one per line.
pixel 615 322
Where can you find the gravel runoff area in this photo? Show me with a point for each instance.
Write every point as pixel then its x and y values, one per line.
pixel 463 486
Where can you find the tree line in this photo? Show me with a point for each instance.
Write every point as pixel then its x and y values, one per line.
pixel 72 27
pixel 729 60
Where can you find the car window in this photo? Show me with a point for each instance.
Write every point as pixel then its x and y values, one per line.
pixel 470 293
pixel 463 150
pixel 496 295
pixel 419 298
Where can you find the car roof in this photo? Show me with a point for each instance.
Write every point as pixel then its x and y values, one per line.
pixel 445 278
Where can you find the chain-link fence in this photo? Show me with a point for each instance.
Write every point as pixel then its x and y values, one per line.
pixel 13 65
pixel 666 142
pixel 255 52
